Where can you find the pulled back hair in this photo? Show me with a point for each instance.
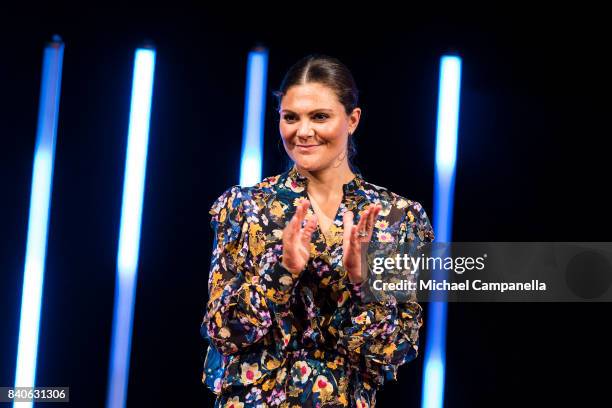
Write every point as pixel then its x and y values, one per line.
pixel 330 72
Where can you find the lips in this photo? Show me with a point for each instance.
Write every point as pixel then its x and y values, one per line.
pixel 306 148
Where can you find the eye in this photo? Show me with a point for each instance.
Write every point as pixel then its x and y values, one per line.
pixel 289 117
pixel 320 116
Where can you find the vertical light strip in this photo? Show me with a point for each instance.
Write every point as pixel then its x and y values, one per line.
pixel 38 221
pixel 444 186
pixel 129 234
pixel 254 117
pixel 446 145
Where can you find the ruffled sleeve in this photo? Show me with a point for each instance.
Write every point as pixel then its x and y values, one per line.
pixel 244 294
pixel 386 333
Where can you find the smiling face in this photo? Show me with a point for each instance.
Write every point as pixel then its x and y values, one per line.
pixel 314 126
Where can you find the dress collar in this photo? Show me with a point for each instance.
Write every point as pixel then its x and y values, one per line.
pixel 297 180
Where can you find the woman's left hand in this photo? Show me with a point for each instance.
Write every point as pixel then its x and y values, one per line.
pixel 351 244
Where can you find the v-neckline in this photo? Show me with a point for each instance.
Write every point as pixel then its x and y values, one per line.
pixel 299 183
pixel 333 222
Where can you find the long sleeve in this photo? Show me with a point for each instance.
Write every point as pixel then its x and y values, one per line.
pixel 244 293
pixel 386 333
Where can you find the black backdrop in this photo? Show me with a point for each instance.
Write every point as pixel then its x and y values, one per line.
pixel 532 166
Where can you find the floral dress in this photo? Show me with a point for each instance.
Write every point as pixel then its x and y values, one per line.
pixel 276 341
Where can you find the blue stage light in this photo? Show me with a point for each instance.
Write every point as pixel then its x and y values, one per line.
pixel 129 234
pixel 254 117
pixel 38 221
pixel 444 185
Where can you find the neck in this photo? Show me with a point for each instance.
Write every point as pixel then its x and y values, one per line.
pixel 328 181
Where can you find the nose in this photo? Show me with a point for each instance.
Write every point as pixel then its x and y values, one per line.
pixel 305 131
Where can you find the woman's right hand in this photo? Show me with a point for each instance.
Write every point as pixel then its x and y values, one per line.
pixel 296 240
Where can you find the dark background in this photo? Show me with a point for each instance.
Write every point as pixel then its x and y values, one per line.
pixel 533 165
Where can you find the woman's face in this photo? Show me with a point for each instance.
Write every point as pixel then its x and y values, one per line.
pixel 314 126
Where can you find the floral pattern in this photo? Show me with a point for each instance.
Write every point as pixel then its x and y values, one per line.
pixel 276 341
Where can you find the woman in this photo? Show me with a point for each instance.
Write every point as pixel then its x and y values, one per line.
pixel 286 318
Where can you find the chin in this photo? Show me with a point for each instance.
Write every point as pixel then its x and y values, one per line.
pixel 308 164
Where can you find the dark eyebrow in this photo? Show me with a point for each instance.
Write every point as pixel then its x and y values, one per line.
pixel 310 113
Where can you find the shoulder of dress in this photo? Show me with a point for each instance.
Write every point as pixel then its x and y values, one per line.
pixel 387 197
pixel 247 199
pixel 230 201
pixel 265 188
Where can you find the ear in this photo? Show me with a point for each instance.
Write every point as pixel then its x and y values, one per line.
pixel 354 119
